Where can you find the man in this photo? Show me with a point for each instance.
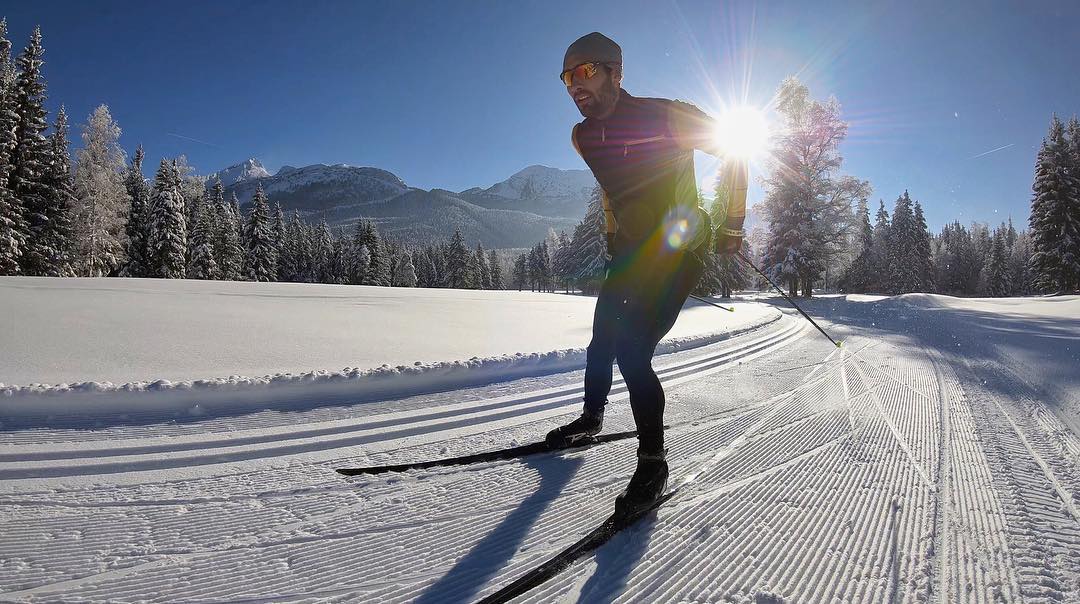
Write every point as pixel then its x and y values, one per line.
pixel 641 151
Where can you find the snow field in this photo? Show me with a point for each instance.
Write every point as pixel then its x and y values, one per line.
pixel 211 527
pixel 900 468
pixel 161 345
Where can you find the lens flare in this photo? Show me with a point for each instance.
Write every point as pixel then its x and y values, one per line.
pixel 742 131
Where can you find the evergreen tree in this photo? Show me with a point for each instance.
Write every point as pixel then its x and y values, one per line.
pixel 923 265
pixel 901 270
pixel 378 272
pixel 30 156
pixel 230 240
pixel 13 229
pixel 879 256
pixel 458 269
pixel 239 227
pixel 996 269
pixel 483 276
pixel 277 237
pixel 438 260
pixel 1019 262
pixel 519 276
pixel 860 276
pixel 56 239
pixel 137 227
pixel 496 270
pixel 362 237
pixel 1055 234
pixel 339 266
pixel 323 253
pixel 202 265
pixel 289 256
pixel 260 250
pixel 305 253
pixel 362 262
pixel 404 270
pixel 587 253
pixel 168 230
pixel 103 201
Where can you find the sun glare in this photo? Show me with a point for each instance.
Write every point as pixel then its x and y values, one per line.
pixel 743 132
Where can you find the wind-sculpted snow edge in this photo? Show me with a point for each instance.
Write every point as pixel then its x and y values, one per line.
pixel 321 387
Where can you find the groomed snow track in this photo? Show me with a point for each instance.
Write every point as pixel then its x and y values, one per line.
pixel 886 471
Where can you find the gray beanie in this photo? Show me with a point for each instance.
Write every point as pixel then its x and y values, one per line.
pixel 592 47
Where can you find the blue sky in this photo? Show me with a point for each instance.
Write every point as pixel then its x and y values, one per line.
pixel 460 94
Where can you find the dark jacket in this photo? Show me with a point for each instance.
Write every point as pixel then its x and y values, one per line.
pixel 643 158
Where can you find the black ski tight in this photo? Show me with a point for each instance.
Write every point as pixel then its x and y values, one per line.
pixel 638 303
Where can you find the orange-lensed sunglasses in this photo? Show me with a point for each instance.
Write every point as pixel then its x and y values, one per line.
pixel 584 71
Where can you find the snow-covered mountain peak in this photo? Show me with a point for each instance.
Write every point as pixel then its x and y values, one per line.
pixel 249 169
pixel 543 182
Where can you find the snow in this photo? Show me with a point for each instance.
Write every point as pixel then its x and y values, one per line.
pixel 116 342
pixel 537 181
pixel 930 458
pixel 250 169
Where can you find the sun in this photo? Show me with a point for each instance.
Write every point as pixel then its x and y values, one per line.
pixel 743 132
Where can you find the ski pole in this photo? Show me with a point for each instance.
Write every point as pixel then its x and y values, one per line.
pixel 710 302
pixel 790 301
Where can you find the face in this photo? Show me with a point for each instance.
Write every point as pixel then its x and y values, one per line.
pixel 595 97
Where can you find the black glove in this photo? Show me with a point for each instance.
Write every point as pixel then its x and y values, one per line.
pixel 728 241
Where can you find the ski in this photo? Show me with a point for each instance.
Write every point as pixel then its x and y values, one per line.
pixel 599 536
pixel 510 453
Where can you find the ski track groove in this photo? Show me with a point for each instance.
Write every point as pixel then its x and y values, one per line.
pixel 586 478
pixel 880 480
pixel 367 431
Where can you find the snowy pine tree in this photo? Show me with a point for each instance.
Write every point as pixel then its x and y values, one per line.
pixel 378 271
pixel 587 253
pixel 458 265
pixel 137 227
pixel 404 270
pixel 202 265
pixel 168 229
pixel 13 228
pixel 230 239
pixel 496 270
pixel 483 276
pixel 519 275
pixel 860 275
pixel 289 251
pixel 923 264
pixel 31 156
pixel 277 235
pixel 1054 232
pixel 239 227
pixel 901 267
pixel 996 269
pixel 103 203
pixel 260 248
pixel 879 256
pixel 323 253
pixel 1020 277
pixel 361 262
pixel 55 240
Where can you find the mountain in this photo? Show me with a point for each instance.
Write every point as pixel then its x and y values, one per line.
pixel 320 187
pixel 538 189
pixel 248 170
pixel 517 212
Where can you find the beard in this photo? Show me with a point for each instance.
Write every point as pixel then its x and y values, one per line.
pixel 603 102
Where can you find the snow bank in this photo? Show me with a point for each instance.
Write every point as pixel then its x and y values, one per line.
pixel 444 324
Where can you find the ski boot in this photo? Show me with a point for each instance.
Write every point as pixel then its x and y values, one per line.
pixel 646 487
pixel 579 431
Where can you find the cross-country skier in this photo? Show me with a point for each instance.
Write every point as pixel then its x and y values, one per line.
pixel 641 151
